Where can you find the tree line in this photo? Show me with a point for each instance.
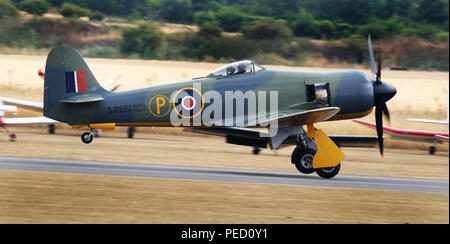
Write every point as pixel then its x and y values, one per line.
pixel 329 19
pixel 270 31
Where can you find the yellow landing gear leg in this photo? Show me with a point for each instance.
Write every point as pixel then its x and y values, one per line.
pixel 328 157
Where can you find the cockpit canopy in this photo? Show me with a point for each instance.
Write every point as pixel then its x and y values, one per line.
pixel 237 68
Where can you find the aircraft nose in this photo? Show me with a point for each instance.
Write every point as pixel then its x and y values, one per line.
pixel 385 90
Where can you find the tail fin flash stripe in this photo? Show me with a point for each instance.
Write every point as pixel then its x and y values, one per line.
pixel 81 81
pixel 76 81
pixel 70 82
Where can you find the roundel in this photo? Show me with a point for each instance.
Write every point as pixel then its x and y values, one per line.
pixel 159 106
pixel 188 102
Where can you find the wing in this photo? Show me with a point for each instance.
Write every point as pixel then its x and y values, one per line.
pixel 34 106
pixel 26 121
pixel 8 109
pixel 284 119
pixel 291 119
pixel 429 121
pixel 258 138
pixel 442 138
pixel 409 135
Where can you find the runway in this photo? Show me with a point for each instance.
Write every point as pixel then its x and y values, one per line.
pixel 224 175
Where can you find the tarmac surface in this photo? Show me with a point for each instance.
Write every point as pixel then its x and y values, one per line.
pixel 223 175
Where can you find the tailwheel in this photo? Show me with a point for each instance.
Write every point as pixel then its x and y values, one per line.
pixel 87 137
pixel 256 150
pixel 328 173
pixel 303 160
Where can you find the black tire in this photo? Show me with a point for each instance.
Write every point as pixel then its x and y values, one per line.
pixel 328 173
pixel 87 138
pixel 256 151
pixel 432 150
pixel 131 131
pixel 303 159
pixel 51 129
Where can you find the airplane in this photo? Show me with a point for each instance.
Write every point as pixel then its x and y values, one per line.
pixel 415 135
pixel 226 100
pixel 18 121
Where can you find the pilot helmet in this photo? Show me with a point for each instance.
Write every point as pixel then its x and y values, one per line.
pixel 230 70
pixel 242 67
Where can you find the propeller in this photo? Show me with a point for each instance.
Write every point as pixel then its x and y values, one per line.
pixel 382 91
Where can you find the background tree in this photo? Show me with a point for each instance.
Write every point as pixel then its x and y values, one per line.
pixel 433 11
pixel 7 9
pixel 175 11
pixel 37 7
pixel 74 11
pixel 303 24
pixel 210 30
pixel 202 17
pixel 146 40
pixel 269 29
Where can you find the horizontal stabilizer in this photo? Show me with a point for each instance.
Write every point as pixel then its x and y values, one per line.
pixel 34 106
pixel 28 120
pixel 83 99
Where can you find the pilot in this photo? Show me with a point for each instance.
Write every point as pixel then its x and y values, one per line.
pixel 230 70
pixel 242 68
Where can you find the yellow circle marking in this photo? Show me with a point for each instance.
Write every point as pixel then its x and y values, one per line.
pixel 161 101
pixel 199 93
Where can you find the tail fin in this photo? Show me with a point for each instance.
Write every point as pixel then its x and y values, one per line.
pixel 68 81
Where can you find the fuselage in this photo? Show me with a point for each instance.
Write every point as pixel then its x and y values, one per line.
pixel 351 91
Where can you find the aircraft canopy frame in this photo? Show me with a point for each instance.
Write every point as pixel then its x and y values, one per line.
pixel 237 68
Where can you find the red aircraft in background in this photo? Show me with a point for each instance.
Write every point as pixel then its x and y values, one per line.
pixel 412 135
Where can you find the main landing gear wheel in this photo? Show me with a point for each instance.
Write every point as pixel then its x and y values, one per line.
pixel 432 150
pixel 131 131
pixel 51 129
pixel 328 173
pixel 87 137
pixel 256 150
pixel 303 160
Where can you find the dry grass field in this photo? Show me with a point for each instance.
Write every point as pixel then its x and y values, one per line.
pixel 31 197
pixel 37 197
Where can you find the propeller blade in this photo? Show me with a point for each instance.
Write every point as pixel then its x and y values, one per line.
pixel 386 111
pixel 372 59
pixel 379 124
pixel 379 62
